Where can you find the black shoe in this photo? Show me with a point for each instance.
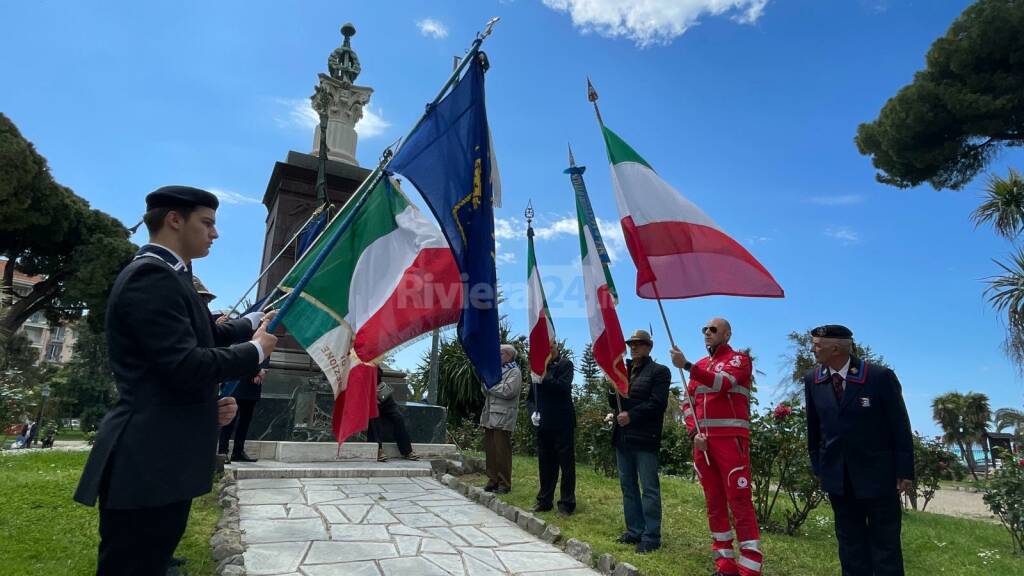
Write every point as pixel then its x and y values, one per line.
pixel 490 488
pixel 628 538
pixel 502 490
pixel 540 508
pixel 243 457
pixel 563 513
pixel 646 547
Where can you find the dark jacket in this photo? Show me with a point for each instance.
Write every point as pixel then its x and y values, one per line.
pixel 868 436
pixel 158 444
pixel 648 398
pixel 554 397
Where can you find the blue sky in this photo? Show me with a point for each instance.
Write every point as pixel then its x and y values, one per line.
pixel 750 113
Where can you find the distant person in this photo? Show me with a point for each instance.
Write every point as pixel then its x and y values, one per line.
pixel 156 448
pixel 862 451
pixel 387 409
pixel 550 404
pixel 636 436
pixel 498 419
pixel 720 386
pixel 30 434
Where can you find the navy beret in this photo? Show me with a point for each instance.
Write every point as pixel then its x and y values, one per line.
pixel 832 331
pixel 180 197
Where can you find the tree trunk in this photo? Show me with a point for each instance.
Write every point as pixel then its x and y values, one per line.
pixel 42 294
pixel 7 288
pixel 968 455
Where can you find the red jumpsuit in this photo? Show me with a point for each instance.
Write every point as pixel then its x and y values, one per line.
pixel 720 388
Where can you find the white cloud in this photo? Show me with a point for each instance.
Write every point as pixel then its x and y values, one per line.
pixel 652 21
pixel 297 113
pixel 432 28
pixel 842 200
pixel 844 234
pixel 508 229
pixel 372 124
pixel 228 197
pixel 560 227
pixel 611 233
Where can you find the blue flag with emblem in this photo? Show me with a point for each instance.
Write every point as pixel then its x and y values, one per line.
pixel 448 159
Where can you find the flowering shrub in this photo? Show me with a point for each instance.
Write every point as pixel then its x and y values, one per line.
pixel 780 466
pixel 932 462
pixel 1005 496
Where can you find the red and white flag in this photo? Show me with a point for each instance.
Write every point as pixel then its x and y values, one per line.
pixel 542 330
pixel 678 250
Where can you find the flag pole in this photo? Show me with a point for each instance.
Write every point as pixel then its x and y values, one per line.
pixel 528 214
pixel 366 188
pixel 592 97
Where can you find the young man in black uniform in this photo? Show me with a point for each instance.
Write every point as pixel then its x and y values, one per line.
pixel 156 448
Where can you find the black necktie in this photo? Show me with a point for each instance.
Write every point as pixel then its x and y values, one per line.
pixel 837 386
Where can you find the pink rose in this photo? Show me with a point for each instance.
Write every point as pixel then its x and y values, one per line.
pixel 782 411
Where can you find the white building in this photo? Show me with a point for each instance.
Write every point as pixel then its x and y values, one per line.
pixel 53 342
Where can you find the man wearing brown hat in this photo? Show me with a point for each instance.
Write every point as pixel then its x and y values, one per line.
pixel 155 449
pixel 636 435
pixel 862 452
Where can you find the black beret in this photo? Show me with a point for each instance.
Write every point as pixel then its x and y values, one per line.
pixel 180 197
pixel 832 331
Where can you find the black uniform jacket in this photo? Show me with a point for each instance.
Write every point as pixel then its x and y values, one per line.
pixel 554 397
pixel 868 435
pixel 648 398
pixel 158 444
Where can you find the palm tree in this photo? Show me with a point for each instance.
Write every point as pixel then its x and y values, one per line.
pixel 977 415
pixel 949 411
pixel 1006 294
pixel 1010 418
pixel 1003 206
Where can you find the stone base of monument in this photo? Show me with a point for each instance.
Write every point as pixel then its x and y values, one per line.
pixel 271 469
pixel 329 452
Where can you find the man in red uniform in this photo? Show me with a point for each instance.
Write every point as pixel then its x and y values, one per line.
pixel 720 390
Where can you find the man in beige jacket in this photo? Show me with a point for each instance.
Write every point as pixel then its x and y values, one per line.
pixel 498 419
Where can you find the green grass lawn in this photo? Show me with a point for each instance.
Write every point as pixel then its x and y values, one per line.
pixel 44 532
pixel 932 544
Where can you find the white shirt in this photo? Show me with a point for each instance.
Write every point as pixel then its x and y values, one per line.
pixel 842 372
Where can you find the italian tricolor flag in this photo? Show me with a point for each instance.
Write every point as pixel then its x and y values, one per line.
pixel 678 250
pixel 609 346
pixel 542 330
pixel 390 277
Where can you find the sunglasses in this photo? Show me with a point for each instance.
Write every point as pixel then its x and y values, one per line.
pixel 709 329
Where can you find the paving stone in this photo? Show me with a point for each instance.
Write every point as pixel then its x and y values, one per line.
pixel 445 534
pixel 354 512
pixel 451 563
pixel 325 497
pixel 333 552
pixel 266 511
pixel 378 515
pixel 536 561
pixel 474 536
pixel 301 511
pixel 407 545
pixel 270 496
pixel 403 530
pixel 262 531
pixel 467 514
pixel 420 520
pixel 485 557
pixel 364 488
pixel 405 488
pixel 343 569
pixel 411 565
pixel 331 514
pixel 528 547
pixel 507 535
pixel 475 567
pixel 442 504
pixel 570 572
pixel 436 545
pixel 253 484
pixel 274 558
pixel 356 500
pixel 359 533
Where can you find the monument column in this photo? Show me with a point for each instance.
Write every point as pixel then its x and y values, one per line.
pixel 338 98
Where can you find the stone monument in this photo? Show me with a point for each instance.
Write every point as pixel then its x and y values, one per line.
pixel 297 401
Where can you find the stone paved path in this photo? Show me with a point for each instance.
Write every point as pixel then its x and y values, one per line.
pixel 383 526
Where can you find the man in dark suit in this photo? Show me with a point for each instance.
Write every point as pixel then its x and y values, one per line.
pixel 858 436
pixel 156 448
pixel 247 394
pixel 551 399
pixel 636 436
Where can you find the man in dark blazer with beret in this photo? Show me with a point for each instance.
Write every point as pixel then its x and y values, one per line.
pixel 554 415
pixel 156 448
pixel 858 436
